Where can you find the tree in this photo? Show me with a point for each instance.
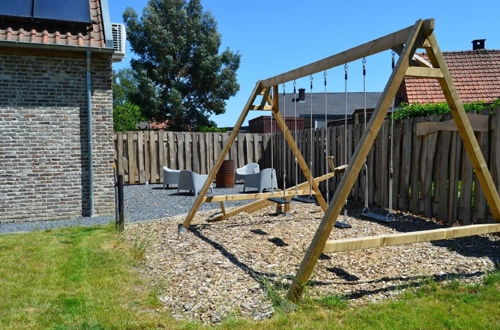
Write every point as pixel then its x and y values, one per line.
pixel 126 114
pixel 179 71
pixel 124 86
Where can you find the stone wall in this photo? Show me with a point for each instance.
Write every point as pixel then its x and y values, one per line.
pixel 44 172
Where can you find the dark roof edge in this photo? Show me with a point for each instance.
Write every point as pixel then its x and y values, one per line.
pixel 70 48
pixel 106 22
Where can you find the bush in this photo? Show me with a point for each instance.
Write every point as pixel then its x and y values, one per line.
pixel 442 108
pixel 126 117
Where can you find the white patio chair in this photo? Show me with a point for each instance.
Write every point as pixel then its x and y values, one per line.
pixel 189 180
pixel 170 176
pixel 265 179
pixel 250 168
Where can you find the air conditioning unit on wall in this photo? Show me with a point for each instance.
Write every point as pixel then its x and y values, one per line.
pixel 119 41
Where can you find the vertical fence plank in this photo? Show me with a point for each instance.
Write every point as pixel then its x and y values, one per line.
pixel 442 183
pixel 154 156
pixel 454 172
pixel 140 154
pixel 464 202
pixel 415 161
pixel 162 155
pixel 181 163
pixel 396 161
pixel 131 157
pixel 428 178
pixel 406 164
pixel 241 159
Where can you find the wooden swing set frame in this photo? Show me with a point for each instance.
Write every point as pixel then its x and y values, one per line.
pixel 405 42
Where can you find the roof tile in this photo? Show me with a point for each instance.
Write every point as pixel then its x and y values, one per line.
pixel 476 75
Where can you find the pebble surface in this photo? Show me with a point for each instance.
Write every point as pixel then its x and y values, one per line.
pixel 142 203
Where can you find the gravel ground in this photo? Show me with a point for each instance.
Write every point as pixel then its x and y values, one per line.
pixel 142 202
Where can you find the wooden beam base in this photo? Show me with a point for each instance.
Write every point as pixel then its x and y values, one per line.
pixel 242 197
pixel 350 244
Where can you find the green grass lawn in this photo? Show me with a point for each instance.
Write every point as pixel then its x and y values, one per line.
pixel 86 278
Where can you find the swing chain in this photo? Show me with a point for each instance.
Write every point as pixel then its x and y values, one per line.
pixel 311 82
pixel 324 77
pixel 346 67
pixel 393 60
pixel 364 66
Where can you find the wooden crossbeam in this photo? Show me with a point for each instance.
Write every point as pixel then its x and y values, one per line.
pixel 350 244
pixel 479 123
pixel 373 47
pixel 261 203
pixel 242 197
pixel 260 108
pixel 423 72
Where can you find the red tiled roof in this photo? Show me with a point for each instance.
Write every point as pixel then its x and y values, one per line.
pixel 61 36
pixel 475 73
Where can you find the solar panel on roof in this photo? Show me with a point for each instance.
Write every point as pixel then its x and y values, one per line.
pixel 74 10
pixel 20 8
pixel 54 10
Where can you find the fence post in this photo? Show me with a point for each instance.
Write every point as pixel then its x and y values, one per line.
pixel 120 220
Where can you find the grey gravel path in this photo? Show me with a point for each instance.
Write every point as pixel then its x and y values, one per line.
pixel 142 202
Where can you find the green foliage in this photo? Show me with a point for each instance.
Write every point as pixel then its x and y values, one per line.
pixel 126 117
pixel 212 129
pixel 496 103
pixel 179 71
pixel 124 85
pixel 422 110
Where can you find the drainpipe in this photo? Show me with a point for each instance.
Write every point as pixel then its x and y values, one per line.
pixel 90 134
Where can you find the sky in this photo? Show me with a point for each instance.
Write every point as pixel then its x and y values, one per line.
pixel 274 36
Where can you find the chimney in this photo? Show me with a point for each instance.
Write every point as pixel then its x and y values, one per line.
pixel 478 44
pixel 302 94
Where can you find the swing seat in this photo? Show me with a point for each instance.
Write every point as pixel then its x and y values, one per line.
pixel 308 199
pixel 282 205
pixel 389 217
pixel 342 225
pixel 278 200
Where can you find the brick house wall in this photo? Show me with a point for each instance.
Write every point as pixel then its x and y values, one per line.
pixel 44 172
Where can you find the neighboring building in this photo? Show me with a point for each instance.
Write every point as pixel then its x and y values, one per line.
pixel 262 124
pixel 300 105
pixel 475 73
pixel 335 105
pixel 55 70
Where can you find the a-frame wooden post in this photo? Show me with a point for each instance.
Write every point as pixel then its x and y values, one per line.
pixel 417 38
pixel 464 127
pixel 225 151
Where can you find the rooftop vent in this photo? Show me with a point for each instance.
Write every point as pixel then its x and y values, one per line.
pixel 119 41
pixel 478 44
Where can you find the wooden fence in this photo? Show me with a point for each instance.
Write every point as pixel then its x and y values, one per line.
pixel 432 174
pixel 140 155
